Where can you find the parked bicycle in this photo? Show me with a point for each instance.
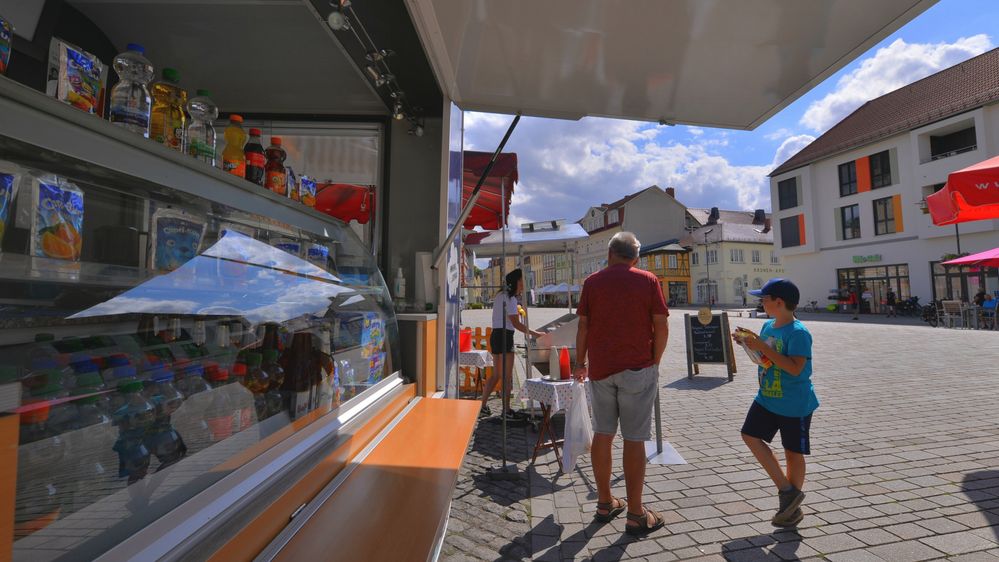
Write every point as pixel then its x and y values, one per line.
pixel 930 314
pixel 909 307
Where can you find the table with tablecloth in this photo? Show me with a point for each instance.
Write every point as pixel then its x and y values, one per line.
pixel 478 359
pixel 553 396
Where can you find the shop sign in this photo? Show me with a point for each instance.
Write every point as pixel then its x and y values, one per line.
pixel 768 270
pixel 867 259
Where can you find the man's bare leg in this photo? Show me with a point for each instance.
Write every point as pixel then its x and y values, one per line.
pixel 634 478
pixel 600 458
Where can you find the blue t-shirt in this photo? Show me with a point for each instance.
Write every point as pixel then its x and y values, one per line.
pixel 780 392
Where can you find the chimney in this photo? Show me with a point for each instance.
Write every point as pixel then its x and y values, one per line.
pixel 671 191
pixel 766 226
pixel 714 216
pixel 759 216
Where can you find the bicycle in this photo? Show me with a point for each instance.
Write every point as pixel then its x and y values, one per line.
pixel 812 306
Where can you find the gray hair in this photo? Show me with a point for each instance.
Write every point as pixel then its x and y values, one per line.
pixel 625 245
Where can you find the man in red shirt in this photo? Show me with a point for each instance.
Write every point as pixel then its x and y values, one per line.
pixel 623 327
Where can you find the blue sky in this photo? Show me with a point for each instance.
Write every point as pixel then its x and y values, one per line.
pixel 568 166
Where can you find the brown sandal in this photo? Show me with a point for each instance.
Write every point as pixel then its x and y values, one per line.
pixel 643 527
pixel 612 511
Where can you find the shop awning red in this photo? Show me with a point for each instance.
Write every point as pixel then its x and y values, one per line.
pixel 345 201
pixel 971 194
pixel 489 207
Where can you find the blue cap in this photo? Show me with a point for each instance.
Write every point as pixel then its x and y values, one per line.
pixel 87 366
pixel 779 288
pixel 135 47
pixel 124 372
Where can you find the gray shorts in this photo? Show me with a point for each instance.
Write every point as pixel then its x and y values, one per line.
pixel 629 396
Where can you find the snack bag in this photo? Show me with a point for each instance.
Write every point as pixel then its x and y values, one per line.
pixel 755 356
pixel 76 77
pixel 10 181
pixel 55 207
pixel 176 239
pixel 6 40
pixel 307 191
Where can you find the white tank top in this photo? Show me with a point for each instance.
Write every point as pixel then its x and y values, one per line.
pixel 499 321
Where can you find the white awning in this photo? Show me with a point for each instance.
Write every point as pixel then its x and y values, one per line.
pixel 518 240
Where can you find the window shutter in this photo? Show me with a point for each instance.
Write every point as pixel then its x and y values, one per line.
pixel 838 217
pixel 863 174
pixel 893 160
pixel 896 203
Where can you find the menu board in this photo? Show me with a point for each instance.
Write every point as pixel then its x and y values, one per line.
pixel 708 343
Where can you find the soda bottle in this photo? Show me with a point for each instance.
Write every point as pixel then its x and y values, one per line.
pixel 90 381
pixel 242 398
pixel 299 378
pixel 275 376
pixel 161 438
pixel 111 363
pixel 255 161
pixel 200 135
pixel 190 379
pixel 276 176
pixel 233 159
pixel 257 382
pixel 220 412
pixel 133 417
pixel 167 118
pixel 130 99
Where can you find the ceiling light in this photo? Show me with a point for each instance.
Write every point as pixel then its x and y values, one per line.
pixel 383 79
pixel 416 129
pixel 337 19
pixel 377 56
pixel 373 72
pixel 397 112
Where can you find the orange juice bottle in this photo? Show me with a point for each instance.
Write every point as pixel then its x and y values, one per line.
pixel 233 159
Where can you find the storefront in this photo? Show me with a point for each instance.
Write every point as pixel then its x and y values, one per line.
pixel 877 280
pixel 963 282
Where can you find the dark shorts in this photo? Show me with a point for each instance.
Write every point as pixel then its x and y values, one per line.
pixel 764 424
pixel 501 341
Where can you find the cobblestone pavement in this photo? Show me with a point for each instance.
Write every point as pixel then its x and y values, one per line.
pixel 905 462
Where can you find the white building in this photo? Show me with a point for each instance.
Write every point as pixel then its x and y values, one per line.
pixel 849 210
pixel 652 214
pixel 733 251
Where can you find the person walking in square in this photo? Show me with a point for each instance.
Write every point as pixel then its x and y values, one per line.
pixel 786 398
pixel 623 330
pixel 890 302
pixel 506 318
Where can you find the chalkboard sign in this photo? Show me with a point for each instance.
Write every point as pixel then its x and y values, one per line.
pixel 709 343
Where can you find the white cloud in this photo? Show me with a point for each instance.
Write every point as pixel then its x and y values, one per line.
pixel 568 166
pixel 696 131
pixel 779 134
pixel 790 147
pixel 890 68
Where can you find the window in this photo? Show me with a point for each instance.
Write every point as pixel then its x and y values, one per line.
pixel 707 290
pixel 849 217
pixel 645 263
pixel 787 193
pixel 611 217
pixel 757 283
pixel 790 235
pixel 884 216
pixel 659 261
pixel 756 256
pixel 737 287
pixel 774 258
pixel 954 143
pixel 712 256
pixel 671 260
pixel 735 256
pixel 847 179
pixel 693 258
pixel 880 170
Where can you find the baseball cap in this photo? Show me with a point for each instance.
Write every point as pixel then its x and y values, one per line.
pixel 779 288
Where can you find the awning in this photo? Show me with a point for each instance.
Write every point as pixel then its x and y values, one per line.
pixel 345 201
pixel 489 207
pixel 490 244
pixel 988 258
pixel 971 194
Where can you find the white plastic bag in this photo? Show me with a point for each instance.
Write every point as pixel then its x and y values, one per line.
pixel 578 430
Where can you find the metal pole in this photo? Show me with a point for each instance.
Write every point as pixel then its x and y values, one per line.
pixel 439 252
pixel 957 233
pixel 572 277
pixel 659 423
pixel 707 266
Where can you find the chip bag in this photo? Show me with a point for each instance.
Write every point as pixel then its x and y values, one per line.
pixel 76 77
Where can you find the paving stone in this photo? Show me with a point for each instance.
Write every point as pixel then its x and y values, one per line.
pixel 834 543
pixel 907 551
pixel 873 537
pixel 958 543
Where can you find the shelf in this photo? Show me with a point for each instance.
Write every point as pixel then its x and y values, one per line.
pixel 87 144
pixel 18 267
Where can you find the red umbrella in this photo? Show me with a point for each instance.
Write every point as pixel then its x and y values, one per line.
pixel 988 258
pixel 970 194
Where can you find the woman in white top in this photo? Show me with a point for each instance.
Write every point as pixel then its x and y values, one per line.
pixel 506 318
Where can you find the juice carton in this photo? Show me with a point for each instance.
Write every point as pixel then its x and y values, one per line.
pixel 53 209
pixel 176 239
pixel 76 77
pixel 10 181
pixel 6 39
pixel 307 191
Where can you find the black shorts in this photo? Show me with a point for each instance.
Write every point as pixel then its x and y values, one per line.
pixel 764 424
pixel 501 341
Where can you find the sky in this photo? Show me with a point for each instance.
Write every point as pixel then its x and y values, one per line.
pixel 568 166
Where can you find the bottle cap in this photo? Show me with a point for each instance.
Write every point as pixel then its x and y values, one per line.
pixel 203 93
pixel 255 132
pixel 254 359
pixel 276 141
pixel 171 75
pixel 238 370
pixel 124 372
pixel 37 414
pixel 91 381
pixel 117 360
pixel 218 375
pixel 235 118
pixel 135 47
pixel 129 386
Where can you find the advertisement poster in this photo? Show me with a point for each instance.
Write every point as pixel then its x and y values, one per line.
pixel 452 304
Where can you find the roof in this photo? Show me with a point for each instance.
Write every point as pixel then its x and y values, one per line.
pixel 962 87
pixel 621 202
pixel 730 232
pixel 667 246
pixel 729 217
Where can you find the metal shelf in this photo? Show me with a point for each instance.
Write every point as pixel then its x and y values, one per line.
pixel 92 146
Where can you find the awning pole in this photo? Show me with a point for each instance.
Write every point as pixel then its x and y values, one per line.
pixel 439 252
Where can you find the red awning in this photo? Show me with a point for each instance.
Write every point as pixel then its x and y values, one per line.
pixel 971 194
pixel 345 201
pixel 488 207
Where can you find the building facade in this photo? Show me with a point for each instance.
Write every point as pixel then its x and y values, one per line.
pixel 849 209
pixel 670 263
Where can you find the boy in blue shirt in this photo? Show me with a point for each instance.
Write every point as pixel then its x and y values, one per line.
pixel 786 398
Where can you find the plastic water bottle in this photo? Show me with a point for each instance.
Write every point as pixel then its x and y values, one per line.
pixel 190 379
pixel 133 417
pixel 130 100
pixel 201 129
pixel 161 438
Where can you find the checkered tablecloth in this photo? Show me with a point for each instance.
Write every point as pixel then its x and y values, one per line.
pixel 478 358
pixel 557 394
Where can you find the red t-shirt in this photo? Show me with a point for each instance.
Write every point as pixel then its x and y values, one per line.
pixel 619 302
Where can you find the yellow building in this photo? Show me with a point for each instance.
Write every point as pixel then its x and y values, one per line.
pixel 669 262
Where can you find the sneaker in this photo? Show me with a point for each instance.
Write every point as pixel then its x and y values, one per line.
pixel 485 412
pixel 791 521
pixel 789 502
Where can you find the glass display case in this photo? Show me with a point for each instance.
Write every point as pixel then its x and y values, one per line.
pixel 160 326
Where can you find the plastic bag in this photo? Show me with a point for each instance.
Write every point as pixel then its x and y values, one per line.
pixel 578 429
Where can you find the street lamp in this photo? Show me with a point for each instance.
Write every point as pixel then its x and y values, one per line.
pixel 707 263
